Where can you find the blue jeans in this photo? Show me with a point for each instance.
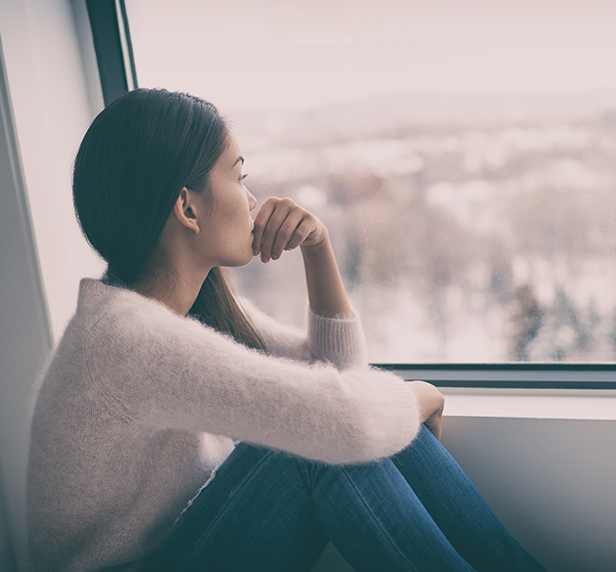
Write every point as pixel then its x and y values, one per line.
pixel 266 510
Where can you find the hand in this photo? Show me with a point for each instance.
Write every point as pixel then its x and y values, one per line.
pixel 431 404
pixel 281 225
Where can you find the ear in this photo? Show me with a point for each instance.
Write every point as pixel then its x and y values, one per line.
pixel 187 210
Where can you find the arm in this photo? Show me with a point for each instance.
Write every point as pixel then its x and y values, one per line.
pixel 153 367
pixel 283 225
pixel 335 334
pixel 326 292
pixel 338 341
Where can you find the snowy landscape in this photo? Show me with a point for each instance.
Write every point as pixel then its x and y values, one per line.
pixel 467 229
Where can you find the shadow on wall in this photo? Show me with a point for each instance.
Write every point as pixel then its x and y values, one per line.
pixel 550 481
pixel 7 555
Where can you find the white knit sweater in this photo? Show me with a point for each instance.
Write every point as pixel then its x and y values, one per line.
pixel 139 405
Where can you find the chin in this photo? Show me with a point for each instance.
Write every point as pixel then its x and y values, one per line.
pixel 248 259
pixel 240 261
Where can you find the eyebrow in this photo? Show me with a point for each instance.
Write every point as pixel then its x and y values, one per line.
pixel 240 158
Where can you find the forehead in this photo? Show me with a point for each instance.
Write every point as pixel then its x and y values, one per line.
pixel 231 153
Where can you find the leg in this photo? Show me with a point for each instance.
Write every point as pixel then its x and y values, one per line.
pixel 263 508
pixel 377 522
pixel 458 509
pixel 255 515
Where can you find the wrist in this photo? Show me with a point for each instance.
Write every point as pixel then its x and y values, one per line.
pixel 322 244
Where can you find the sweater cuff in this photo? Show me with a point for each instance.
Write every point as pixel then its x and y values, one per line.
pixel 338 341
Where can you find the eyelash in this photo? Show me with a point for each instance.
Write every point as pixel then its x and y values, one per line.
pixel 243 177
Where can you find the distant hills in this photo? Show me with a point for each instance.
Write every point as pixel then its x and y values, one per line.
pixel 395 113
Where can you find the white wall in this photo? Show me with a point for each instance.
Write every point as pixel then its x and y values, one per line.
pixel 551 482
pixel 53 100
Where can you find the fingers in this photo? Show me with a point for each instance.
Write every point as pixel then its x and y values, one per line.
pixel 281 225
pixel 435 429
pixel 264 214
pixel 431 405
pixel 435 422
pixel 286 230
pixel 300 235
pixel 275 218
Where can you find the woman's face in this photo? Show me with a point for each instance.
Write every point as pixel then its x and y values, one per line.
pixel 227 234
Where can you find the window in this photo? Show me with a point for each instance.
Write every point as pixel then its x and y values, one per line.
pixel 461 154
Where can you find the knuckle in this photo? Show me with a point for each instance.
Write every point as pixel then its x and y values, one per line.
pixel 260 219
pixel 287 228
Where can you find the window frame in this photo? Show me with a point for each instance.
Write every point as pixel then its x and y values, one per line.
pixel 511 375
pixel 113 47
pixel 117 71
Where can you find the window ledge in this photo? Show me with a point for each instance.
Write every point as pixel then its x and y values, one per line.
pixel 530 403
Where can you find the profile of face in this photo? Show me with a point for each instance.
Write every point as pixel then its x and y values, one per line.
pixel 226 234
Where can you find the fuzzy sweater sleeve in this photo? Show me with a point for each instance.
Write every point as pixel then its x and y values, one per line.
pixel 339 342
pixel 154 367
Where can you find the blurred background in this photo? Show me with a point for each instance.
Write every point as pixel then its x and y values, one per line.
pixel 462 156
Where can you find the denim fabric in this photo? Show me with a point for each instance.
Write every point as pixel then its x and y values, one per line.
pixel 268 511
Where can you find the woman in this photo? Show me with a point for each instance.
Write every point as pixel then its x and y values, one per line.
pixel 135 463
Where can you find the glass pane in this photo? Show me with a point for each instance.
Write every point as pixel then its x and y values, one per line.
pixel 462 155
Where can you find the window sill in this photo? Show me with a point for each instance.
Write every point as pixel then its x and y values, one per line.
pixel 530 403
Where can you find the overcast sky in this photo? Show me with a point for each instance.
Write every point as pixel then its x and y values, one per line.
pixel 245 54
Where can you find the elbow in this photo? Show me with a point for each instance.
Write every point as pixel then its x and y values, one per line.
pixel 371 439
pixel 373 415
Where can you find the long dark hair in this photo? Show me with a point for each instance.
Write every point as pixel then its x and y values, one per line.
pixel 134 160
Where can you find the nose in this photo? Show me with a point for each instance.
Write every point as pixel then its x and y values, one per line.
pixel 252 201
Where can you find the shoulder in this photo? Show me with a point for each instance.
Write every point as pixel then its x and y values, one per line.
pixel 136 352
pixel 124 319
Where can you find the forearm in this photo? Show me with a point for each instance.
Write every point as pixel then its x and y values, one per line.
pixel 282 225
pixel 326 292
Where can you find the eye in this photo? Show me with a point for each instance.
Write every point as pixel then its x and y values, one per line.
pixel 243 177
